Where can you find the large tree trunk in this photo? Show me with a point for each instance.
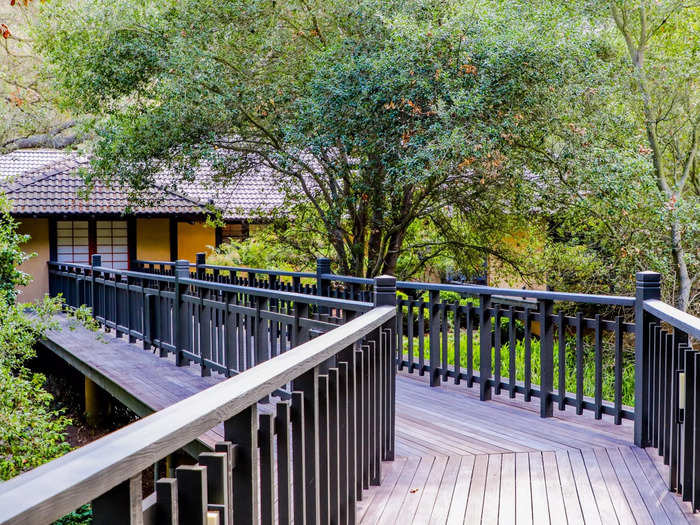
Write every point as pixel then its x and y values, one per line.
pixel 684 281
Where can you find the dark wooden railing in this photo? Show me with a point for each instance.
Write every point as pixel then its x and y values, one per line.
pixel 211 323
pixel 305 459
pixel 668 395
pixel 449 333
pixel 538 344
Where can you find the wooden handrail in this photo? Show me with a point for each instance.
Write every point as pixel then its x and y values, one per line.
pixel 58 487
pixel 673 316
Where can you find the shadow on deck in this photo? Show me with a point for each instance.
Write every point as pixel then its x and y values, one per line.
pixel 459 460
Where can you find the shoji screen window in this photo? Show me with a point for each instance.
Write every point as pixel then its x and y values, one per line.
pixel 72 242
pixel 112 244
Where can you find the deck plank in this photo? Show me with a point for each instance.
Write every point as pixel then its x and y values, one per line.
pixel 460 496
pixel 555 500
pixel 506 509
pixel 523 493
pixel 540 505
pixel 475 503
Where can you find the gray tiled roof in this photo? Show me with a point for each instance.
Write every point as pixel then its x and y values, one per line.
pixel 57 189
pixel 47 181
pixel 24 160
pixel 250 196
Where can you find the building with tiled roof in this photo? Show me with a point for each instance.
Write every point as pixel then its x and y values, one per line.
pixel 68 222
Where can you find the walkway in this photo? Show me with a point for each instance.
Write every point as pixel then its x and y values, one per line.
pixel 459 460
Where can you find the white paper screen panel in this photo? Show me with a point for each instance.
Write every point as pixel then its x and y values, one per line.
pixel 73 245
pixel 112 244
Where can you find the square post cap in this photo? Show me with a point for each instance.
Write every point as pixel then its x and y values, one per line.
pixel 182 268
pixel 323 265
pixel 385 290
pixel 648 285
pixel 97 260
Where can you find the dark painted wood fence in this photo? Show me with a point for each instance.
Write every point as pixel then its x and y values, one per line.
pixel 304 459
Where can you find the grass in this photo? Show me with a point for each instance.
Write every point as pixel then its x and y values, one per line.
pixel 608 360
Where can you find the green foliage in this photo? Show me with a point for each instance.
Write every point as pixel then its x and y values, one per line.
pixel 31 431
pixel 608 385
pixel 78 517
pixel 263 249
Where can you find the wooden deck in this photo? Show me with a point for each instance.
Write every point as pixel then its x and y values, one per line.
pixel 459 460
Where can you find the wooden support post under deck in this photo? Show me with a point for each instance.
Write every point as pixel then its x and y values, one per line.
pixel 93 403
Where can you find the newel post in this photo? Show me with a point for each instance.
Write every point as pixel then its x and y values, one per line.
pixel 391 348
pixel 200 261
pixel 180 317
pixel 323 266
pixel 648 287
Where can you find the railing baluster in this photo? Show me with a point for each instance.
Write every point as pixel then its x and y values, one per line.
pixel 689 422
pixel 511 352
pixel 166 502
pixel 618 370
pixel 267 469
pixel 344 451
pixel 399 327
pixel 242 429
pixel 434 337
pixel 456 312
pixel 217 482
pixel 421 336
pixel 284 479
pixel 298 457
pixel 497 350
pixel 192 495
pixel 470 346
pixel 445 332
pixel 561 325
pixel 230 450
pixel 598 368
pixel 120 505
pixel 528 355
pixel 579 363
pixel 334 444
pixel 323 451
pixel 409 326
pixel 695 388
pixel 546 358
pixel 308 384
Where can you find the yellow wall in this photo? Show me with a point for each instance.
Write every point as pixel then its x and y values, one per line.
pixel 193 238
pixel 38 229
pixel 153 239
pixel 522 243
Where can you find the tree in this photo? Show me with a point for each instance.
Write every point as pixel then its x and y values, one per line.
pixel 372 114
pixel 29 116
pixel 662 42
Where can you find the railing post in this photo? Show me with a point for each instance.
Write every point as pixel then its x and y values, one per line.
pixel 648 287
pixel 484 347
pixel 546 358
pixel 200 261
pixel 323 265
pixel 96 261
pixel 434 337
pixel 385 295
pixel 180 317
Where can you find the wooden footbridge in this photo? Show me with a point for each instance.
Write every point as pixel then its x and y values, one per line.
pixel 314 399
